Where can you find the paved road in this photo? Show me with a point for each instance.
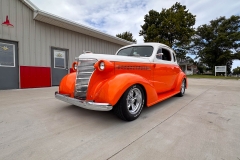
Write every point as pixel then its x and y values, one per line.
pixel 204 124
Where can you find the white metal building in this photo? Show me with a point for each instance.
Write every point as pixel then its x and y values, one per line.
pixel 40 47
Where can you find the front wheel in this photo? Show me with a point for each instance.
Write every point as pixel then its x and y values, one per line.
pixel 130 104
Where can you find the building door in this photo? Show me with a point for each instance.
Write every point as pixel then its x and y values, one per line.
pixel 9 68
pixel 59 64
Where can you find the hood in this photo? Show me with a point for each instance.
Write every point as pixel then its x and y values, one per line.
pixel 116 58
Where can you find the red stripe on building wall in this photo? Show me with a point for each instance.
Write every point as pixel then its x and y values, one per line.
pixel 71 70
pixel 34 77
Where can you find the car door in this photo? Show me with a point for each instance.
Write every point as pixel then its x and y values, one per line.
pixel 164 70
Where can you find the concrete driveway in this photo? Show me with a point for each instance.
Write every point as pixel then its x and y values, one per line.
pixel 204 124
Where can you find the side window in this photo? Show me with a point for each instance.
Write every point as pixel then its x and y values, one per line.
pixel 164 54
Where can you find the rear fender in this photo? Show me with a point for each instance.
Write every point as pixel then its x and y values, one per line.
pixel 179 80
pixel 113 88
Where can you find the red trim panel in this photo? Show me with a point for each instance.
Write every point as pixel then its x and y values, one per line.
pixel 34 77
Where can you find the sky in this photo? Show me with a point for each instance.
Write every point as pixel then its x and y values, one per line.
pixel 116 16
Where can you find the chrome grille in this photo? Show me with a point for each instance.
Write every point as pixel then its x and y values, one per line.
pixel 85 69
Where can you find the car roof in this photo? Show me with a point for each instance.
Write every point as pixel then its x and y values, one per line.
pixel 154 44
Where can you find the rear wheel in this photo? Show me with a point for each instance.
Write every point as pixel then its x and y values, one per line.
pixel 130 104
pixel 182 89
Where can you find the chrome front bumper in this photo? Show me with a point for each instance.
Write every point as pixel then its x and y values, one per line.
pixel 84 104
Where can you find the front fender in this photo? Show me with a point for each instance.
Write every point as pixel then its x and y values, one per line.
pixel 113 88
pixel 67 84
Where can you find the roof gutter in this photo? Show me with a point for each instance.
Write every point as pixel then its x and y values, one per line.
pixel 70 25
pixel 30 5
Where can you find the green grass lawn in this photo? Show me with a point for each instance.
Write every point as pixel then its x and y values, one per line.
pixel 212 77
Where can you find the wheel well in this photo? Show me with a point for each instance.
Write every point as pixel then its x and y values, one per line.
pixel 145 93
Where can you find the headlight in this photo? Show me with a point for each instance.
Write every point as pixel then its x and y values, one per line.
pixel 104 66
pixel 101 65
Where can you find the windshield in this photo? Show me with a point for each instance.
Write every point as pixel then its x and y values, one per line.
pixel 139 51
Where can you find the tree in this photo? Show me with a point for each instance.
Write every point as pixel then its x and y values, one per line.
pixel 236 71
pixel 127 36
pixel 173 27
pixel 217 43
pixel 236 55
pixel 189 59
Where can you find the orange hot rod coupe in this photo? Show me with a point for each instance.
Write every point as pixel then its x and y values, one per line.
pixel 137 75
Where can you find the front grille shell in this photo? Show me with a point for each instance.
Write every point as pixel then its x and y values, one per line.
pixel 85 69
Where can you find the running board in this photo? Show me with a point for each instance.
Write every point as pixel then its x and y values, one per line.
pixel 164 96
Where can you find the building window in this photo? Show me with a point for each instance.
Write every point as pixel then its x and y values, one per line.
pixel 189 68
pixel 7 55
pixel 59 59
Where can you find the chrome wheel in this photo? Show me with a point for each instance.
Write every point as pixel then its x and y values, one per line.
pixel 130 105
pixel 134 100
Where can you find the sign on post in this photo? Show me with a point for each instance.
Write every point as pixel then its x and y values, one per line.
pixel 221 69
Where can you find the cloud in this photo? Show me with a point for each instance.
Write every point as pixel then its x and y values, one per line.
pixel 114 16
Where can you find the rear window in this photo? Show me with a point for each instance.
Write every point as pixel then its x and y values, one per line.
pixel 138 51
